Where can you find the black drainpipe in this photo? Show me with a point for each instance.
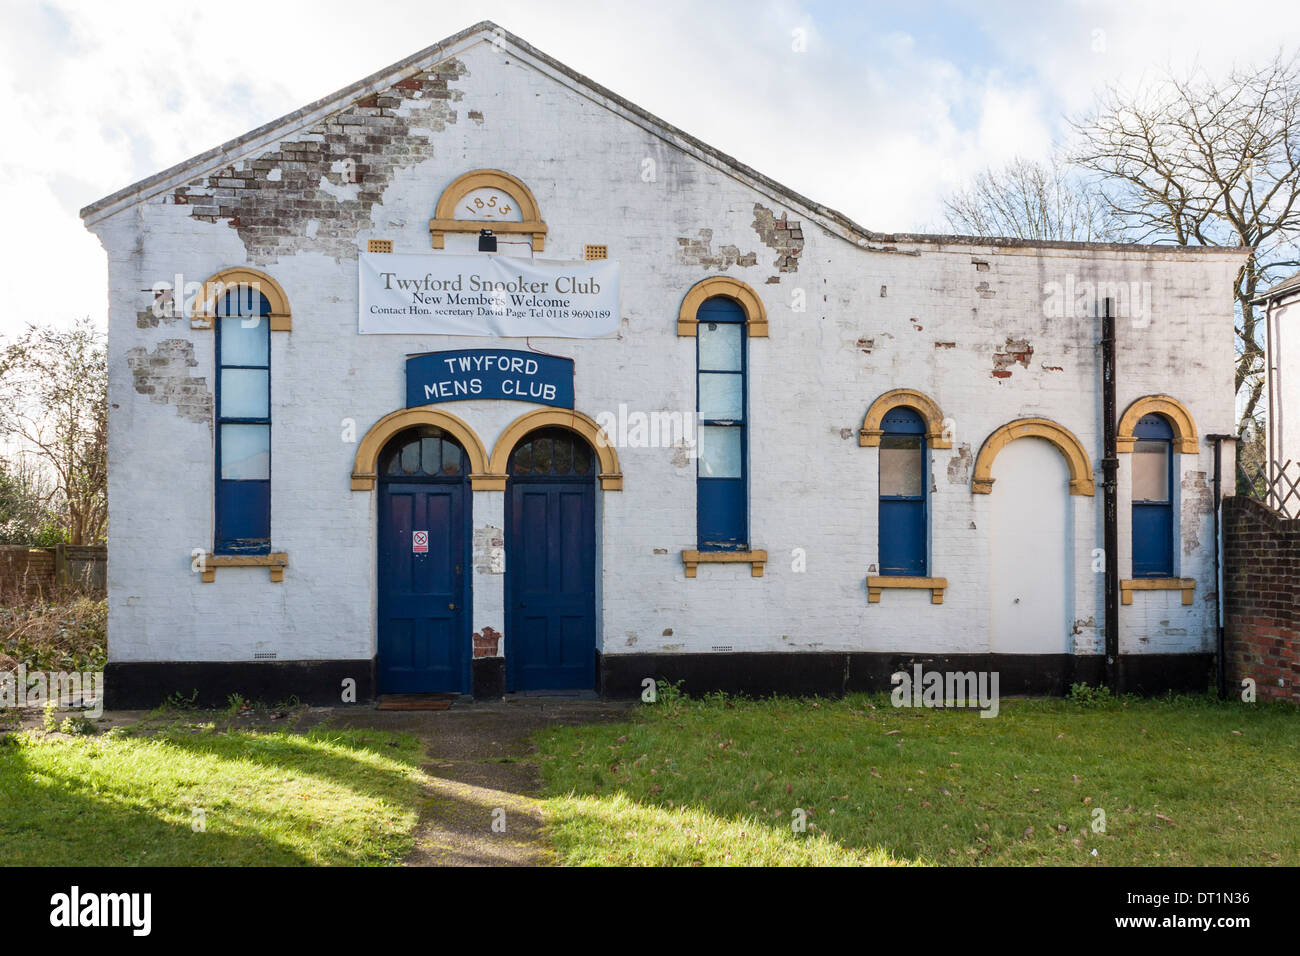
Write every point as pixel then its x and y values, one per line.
pixel 1220 667
pixel 1109 470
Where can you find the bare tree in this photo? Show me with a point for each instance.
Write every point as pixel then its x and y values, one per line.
pixel 29 504
pixel 1196 160
pixel 1026 199
pixel 54 403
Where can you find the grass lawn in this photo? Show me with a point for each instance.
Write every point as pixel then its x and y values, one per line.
pixel 325 797
pixel 1184 781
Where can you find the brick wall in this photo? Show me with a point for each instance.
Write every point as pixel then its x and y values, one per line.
pixel 25 571
pixel 1261 575
pixel 37 571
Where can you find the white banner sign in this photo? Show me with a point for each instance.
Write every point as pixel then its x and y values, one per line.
pixel 486 295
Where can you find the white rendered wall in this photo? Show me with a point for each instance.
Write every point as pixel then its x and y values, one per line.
pixel 930 316
pixel 1284 362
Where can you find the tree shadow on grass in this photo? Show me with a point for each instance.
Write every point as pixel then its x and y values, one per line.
pixel 322 798
pixel 372 764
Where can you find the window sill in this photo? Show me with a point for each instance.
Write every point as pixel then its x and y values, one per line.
pixel 879 582
pixel 1186 585
pixel 755 559
pixel 277 561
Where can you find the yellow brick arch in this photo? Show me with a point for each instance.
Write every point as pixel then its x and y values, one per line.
pixel 928 408
pixel 1171 409
pixel 365 467
pixel 743 294
pixel 611 474
pixel 1081 482
pixel 203 313
pixel 444 215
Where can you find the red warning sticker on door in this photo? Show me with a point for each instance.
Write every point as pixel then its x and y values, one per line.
pixel 420 542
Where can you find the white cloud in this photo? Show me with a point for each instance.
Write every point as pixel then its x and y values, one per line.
pixel 881 113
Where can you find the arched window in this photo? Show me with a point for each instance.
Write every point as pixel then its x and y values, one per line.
pixel 243 458
pixel 422 452
pixel 1153 512
pixel 902 494
pixel 553 453
pixel 722 512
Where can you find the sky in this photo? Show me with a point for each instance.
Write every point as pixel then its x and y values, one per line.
pixel 875 109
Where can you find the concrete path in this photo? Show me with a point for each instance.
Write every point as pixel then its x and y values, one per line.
pixel 481 769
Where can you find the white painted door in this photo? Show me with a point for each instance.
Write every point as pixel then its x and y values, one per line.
pixel 1030 538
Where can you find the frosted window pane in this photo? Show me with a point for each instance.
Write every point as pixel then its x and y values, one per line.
pixel 244 393
pixel 719 346
pixel 719 451
pixel 1151 471
pixel 246 451
pixel 721 397
pixel 563 462
pixel 581 458
pixel 900 465
pixel 430 455
pixel 245 346
pixel 542 457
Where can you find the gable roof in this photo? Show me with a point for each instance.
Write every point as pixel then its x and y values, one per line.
pixel 832 220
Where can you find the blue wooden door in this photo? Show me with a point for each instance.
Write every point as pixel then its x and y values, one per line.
pixel 551 565
pixel 424 643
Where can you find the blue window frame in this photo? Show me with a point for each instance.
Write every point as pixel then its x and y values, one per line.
pixel 722 511
pixel 243 455
pixel 1153 508
pixel 903 483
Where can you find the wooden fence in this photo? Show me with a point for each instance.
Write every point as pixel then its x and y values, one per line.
pixel 39 572
pixel 1275 484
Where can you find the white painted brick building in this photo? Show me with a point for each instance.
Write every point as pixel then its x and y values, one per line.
pixel 977 327
pixel 1281 305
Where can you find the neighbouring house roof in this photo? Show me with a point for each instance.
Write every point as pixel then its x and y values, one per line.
pixel 831 219
pixel 1288 285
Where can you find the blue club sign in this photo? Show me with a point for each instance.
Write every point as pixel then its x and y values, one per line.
pixel 464 374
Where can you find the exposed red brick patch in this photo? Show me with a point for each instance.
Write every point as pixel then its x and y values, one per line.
pixel 1016 351
pixel 782 234
pixel 318 187
pixel 487 643
pixel 700 252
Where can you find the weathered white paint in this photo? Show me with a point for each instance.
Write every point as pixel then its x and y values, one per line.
pixel 948 309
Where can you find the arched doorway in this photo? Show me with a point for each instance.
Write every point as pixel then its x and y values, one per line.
pixel 1031 537
pixel 424 644
pixel 550 586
